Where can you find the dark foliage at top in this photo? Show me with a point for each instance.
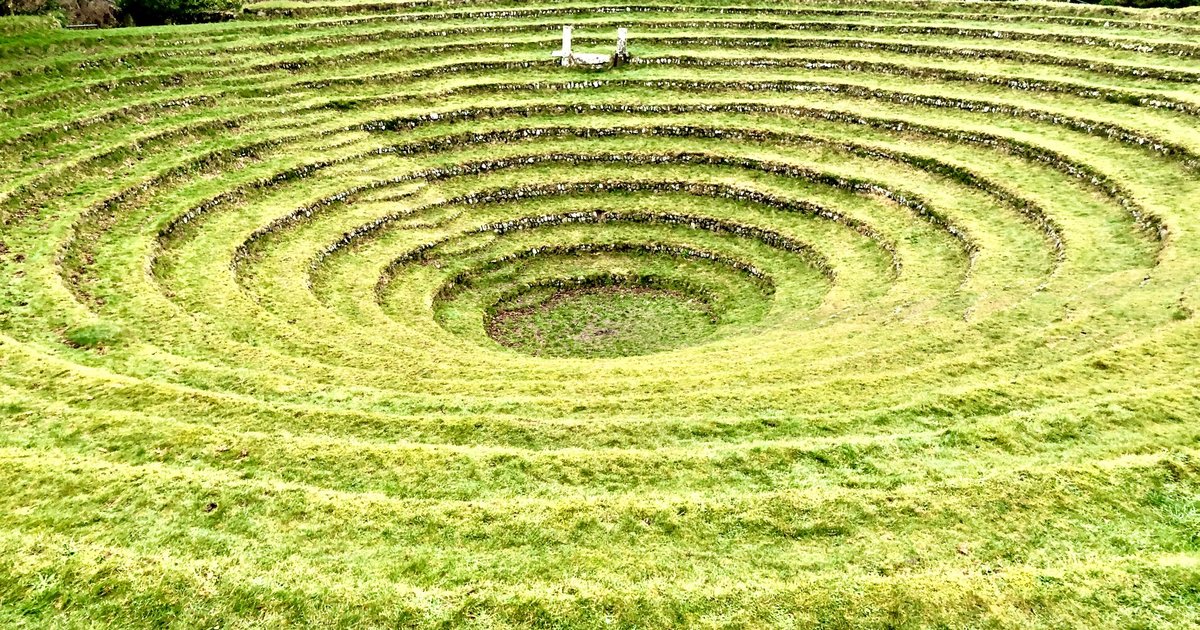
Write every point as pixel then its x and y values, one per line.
pixel 146 12
pixel 99 12
pixel 1147 4
pixel 113 12
pixel 1141 4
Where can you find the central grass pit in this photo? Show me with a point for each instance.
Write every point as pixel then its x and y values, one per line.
pixel 597 322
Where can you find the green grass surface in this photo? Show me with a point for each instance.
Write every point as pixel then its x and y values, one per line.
pixel 898 303
pixel 612 321
pixel 12 25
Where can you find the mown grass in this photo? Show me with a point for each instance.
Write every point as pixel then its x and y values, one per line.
pixel 852 314
pixel 602 322
pixel 17 25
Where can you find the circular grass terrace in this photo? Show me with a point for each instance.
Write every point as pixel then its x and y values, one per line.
pixel 846 314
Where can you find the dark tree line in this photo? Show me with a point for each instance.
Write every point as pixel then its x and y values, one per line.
pixel 147 12
pixel 1143 4
pixel 100 12
pixel 128 12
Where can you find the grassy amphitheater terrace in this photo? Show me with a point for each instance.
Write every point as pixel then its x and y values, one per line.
pixel 371 313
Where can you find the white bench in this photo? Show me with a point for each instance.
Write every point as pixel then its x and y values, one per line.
pixel 593 60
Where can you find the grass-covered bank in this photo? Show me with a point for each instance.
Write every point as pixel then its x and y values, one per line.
pixel 826 314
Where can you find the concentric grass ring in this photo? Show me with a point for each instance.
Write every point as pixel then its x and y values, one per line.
pixel 942 260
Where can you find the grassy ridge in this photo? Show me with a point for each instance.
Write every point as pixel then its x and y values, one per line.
pixel 929 271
